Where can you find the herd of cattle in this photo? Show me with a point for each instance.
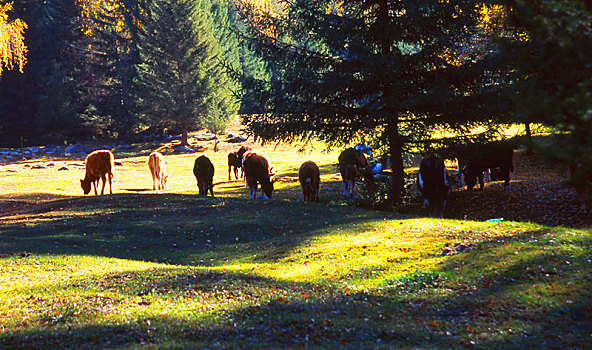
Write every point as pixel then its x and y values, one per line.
pixel 433 181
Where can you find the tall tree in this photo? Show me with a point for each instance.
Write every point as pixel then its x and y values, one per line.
pixel 12 44
pixel 554 69
pixel 378 69
pixel 182 83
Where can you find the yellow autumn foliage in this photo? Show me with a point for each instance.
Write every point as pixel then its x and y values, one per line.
pixel 13 51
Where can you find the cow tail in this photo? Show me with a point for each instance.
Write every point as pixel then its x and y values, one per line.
pixel 309 183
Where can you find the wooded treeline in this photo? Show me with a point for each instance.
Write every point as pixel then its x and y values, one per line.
pixel 99 69
pixel 389 73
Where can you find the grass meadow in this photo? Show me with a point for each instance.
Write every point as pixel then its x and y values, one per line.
pixel 173 270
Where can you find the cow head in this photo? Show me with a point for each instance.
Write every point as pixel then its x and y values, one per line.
pixel 268 188
pixel 85 184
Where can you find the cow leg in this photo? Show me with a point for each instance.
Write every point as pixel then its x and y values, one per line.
pixel 505 173
pixel 345 189
pixel 229 167
pixel 95 185
pixel 480 178
pixel 110 177
pixel 104 183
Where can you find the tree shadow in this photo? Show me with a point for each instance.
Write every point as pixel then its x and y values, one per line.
pixel 473 299
pixel 168 227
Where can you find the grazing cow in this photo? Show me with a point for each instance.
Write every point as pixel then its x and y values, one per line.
pixel 353 165
pixel 235 160
pixel 310 179
pixel 494 158
pixel 157 167
pixel 432 181
pixel 581 178
pixel 257 170
pixel 203 169
pixel 99 165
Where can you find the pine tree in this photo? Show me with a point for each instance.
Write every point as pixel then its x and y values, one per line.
pixel 554 71
pixel 113 30
pixel 182 83
pixel 373 70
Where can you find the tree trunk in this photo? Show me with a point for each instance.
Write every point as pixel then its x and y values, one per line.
pixel 184 137
pixel 529 138
pixel 396 154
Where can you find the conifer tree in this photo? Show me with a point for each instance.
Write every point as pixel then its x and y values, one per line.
pixel 375 69
pixel 181 81
pixel 554 70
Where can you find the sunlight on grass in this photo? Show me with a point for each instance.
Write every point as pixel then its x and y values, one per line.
pixel 159 269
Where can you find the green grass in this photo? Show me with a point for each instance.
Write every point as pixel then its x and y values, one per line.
pixel 141 269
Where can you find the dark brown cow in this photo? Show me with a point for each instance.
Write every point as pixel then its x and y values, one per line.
pixel 235 160
pixel 310 179
pixel 432 182
pixel 99 165
pixel 581 178
pixel 203 170
pixel 257 170
pixel 493 157
pixel 353 165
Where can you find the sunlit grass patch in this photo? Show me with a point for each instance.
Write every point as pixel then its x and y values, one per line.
pixel 160 269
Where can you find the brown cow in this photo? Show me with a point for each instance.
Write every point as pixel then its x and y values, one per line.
pixel 203 169
pixel 353 165
pixel 310 178
pixel 235 159
pixel 99 165
pixel 157 167
pixel 581 178
pixel 257 170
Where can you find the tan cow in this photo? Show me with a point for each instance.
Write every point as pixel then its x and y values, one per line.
pixel 157 167
pixel 99 165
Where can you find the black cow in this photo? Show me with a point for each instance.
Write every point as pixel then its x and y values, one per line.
pixel 581 178
pixel 235 160
pixel 203 169
pixel 432 181
pixel 494 158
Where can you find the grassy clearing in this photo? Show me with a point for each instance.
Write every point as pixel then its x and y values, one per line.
pixel 141 269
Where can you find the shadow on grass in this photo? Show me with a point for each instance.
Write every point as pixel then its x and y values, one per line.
pixel 462 303
pixel 167 227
